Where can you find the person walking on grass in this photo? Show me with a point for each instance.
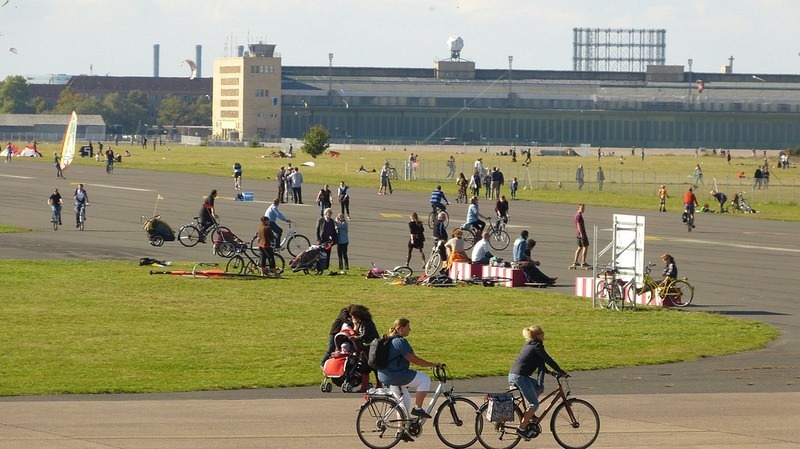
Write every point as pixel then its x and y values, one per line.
pixel 583 239
pixel 416 238
pixel 662 198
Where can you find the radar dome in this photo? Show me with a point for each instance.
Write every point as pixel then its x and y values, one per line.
pixel 455 43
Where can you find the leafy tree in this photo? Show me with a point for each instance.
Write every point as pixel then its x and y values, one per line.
pixel 172 111
pixel 14 95
pixel 315 142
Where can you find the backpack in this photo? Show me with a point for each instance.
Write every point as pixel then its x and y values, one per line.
pixel 379 352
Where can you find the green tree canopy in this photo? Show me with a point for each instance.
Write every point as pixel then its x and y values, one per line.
pixel 315 142
pixel 14 95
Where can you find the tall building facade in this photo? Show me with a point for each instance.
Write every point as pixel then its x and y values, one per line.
pixel 247 95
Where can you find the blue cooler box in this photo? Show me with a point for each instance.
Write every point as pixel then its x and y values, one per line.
pixel 247 196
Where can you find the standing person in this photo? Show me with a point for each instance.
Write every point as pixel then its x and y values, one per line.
pixel 514 186
pixel 324 199
pixel 56 202
pixel 273 214
pixel 440 235
pixel 416 238
pixel 384 179
pixel 758 178
pixel 501 209
pixel 297 186
pixel 342 241
pixel 288 183
pixel 582 237
pixel 698 176
pixel 281 177
pixel 497 182
pixel 689 203
pixel 527 157
pixel 398 374
pixel 344 198
pixel 487 185
pixel 451 167
pixel 642 154
pixel 208 214
pixel 9 152
pixel 721 199
pixel 326 233
pixel 662 198
pixel 475 183
pixel 765 173
pixel 81 201
pixel 601 178
pixel 462 184
pixel 109 156
pixel 266 251
pixel 729 157
pixel 342 320
pixel 57 161
pixel 579 177
pixel 237 176
pixel 474 217
pixel 366 331
pixel 437 198
pixel 478 166
pixel 532 357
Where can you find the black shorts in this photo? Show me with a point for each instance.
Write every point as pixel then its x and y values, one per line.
pixel 583 242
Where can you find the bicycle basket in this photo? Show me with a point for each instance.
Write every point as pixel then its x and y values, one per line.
pixel 500 407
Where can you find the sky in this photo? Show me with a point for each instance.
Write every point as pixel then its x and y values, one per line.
pixel 116 37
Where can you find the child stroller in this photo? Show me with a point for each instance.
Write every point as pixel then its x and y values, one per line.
pixel 344 368
pixel 227 244
pixel 312 259
pixel 158 231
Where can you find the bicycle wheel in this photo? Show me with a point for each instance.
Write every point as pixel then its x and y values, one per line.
pixel 380 423
pixel 617 296
pixel 575 424
pixel 499 435
pixel 402 272
pixel 434 264
pixel 226 250
pixel 296 244
pixel 454 422
pixel 250 268
pixel 189 236
pixel 604 297
pixel 235 265
pixel 280 263
pixel 680 293
pixel 54 219
pixel 630 292
pixel 499 240
pixel 469 239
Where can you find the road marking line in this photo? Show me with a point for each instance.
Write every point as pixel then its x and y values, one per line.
pixel 737 245
pixel 385 215
pixel 18 177
pixel 117 187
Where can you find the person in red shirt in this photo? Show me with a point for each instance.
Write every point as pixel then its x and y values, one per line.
pixel 689 202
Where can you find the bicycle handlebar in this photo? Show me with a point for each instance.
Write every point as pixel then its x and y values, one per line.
pixel 440 372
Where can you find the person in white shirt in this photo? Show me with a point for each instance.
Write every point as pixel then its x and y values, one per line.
pixel 480 253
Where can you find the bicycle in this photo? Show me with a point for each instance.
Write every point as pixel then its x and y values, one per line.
pixel 398 272
pixel 688 218
pixel 610 290
pixel 574 424
pixel 498 237
pixel 383 421
pixel 238 265
pixel 80 214
pixel 677 292
pixel 191 234
pixel 461 195
pixel 56 216
pixel 291 241
pixel 433 265
pixel 434 213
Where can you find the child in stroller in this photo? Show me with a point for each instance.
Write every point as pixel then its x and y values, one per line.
pixel 345 366
pixel 312 259
pixel 227 244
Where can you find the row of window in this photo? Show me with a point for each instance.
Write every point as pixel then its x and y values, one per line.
pixel 262 69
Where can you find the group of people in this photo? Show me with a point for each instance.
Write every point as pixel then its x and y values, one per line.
pixel 290 185
pixel 56 202
pixel 579 177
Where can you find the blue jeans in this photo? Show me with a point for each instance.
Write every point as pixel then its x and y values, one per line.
pixel 529 387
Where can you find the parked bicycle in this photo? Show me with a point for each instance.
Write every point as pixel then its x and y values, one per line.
pixel 383 421
pixel 433 265
pixel 191 234
pixel 291 241
pixel 245 261
pixel 398 272
pixel 574 424
pixel 610 290
pixel 676 292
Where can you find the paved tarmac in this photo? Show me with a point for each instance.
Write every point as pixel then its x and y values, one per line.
pixel 740 267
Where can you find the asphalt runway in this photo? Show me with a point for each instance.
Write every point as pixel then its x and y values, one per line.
pixel 740 267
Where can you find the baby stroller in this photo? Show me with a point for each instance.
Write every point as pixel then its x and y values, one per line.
pixel 312 259
pixel 345 366
pixel 227 244
pixel 158 231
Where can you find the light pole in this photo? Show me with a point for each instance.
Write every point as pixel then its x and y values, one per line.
pixel 330 79
pixel 689 92
pixel 510 61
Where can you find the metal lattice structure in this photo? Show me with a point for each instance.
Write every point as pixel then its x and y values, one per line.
pixel 617 50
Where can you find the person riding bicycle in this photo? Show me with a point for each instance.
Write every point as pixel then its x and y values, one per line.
pixel 721 199
pixel 55 203
pixel 273 214
pixel 689 203
pixel 501 209
pixel 532 357
pixel 81 201
pixel 440 234
pixel 208 214
pixel 474 217
pixel 437 198
pixel 398 374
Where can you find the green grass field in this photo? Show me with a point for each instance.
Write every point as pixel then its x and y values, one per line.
pixel 101 327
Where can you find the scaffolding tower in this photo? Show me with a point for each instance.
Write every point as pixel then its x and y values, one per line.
pixel 617 50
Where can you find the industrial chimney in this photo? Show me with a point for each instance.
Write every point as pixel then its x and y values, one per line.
pixel 198 58
pixel 156 49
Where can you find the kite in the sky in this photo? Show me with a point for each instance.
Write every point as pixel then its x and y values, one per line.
pixel 6 2
pixel 13 50
pixel 192 68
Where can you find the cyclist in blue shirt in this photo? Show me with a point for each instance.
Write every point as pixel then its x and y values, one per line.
pixel 437 198
pixel 274 215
